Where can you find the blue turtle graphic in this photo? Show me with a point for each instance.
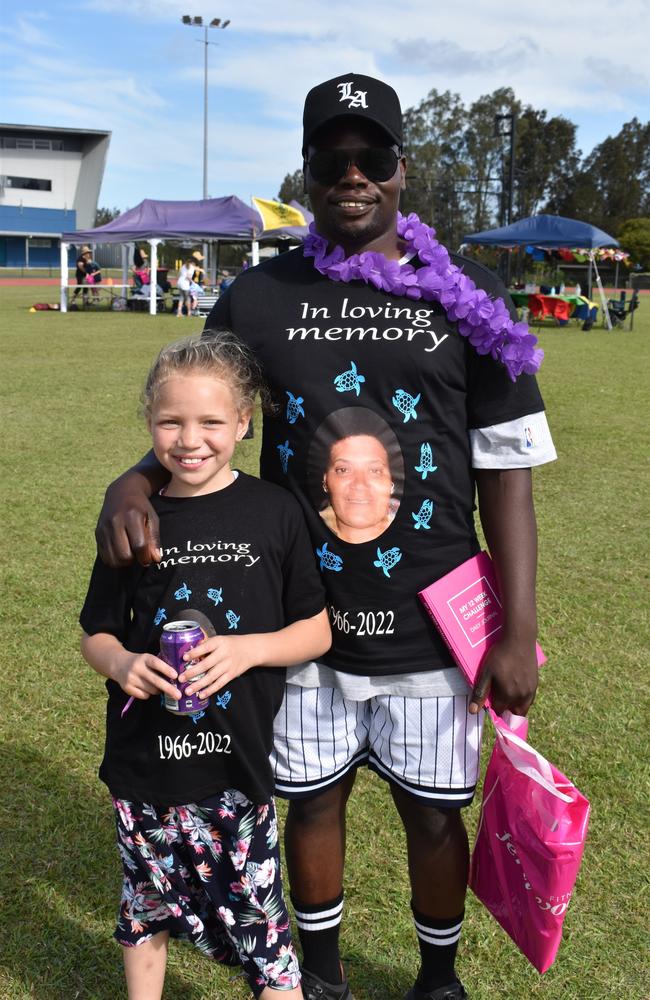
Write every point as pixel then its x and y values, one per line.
pixel 183 593
pixel 423 516
pixel 195 716
pixel 406 403
pixel 232 619
pixel 426 460
pixel 161 615
pixel 387 560
pixel 215 595
pixel 349 381
pixel 285 455
pixel 294 407
pixel 223 699
pixel 329 560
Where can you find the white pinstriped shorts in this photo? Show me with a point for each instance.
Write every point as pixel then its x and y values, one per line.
pixel 429 747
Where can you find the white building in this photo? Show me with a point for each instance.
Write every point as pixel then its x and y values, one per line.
pixel 50 180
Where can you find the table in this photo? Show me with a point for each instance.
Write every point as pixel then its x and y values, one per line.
pixel 90 293
pixel 560 307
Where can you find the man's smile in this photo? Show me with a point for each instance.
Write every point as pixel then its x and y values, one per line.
pixel 353 204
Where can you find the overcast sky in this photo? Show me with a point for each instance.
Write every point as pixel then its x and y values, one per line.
pixel 131 67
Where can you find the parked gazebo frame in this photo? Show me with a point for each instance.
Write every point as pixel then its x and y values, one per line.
pixel 552 232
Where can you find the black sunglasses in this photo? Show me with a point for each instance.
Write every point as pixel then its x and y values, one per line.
pixel 327 166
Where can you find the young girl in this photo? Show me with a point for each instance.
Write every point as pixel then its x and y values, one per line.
pixel 192 794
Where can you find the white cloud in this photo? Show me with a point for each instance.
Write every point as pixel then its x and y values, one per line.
pixel 130 66
pixel 28 33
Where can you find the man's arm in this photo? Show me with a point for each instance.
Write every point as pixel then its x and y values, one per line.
pixel 509 671
pixel 128 524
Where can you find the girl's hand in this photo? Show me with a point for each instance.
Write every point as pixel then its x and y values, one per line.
pixel 143 674
pixel 224 657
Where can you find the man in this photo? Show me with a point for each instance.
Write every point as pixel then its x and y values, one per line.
pixel 336 333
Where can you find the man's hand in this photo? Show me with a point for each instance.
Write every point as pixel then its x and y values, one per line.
pixel 128 525
pixel 509 676
pixel 143 674
pixel 224 657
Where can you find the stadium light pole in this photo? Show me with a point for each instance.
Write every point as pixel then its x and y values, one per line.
pixel 198 22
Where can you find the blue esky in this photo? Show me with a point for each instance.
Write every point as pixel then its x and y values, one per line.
pixel 131 67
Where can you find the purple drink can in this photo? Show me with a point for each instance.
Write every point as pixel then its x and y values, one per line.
pixel 178 638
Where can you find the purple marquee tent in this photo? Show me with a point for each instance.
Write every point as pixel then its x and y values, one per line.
pixel 213 219
pixel 207 221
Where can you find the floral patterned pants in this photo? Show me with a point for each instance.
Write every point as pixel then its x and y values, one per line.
pixel 208 872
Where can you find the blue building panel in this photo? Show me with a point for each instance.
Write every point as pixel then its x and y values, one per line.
pixel 36 221
pixel 13 253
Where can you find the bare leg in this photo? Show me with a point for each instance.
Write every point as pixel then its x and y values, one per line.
pixel 144 967
pixel 438 856
pixel 314 843
pixel 270 994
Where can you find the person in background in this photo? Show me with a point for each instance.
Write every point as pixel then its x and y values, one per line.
pixel 142 273
pixel 93 273
pixel 80 274
pixel 199 271
pixel 198 277
pixel 226 280
pixel 186 299
pixel 140 258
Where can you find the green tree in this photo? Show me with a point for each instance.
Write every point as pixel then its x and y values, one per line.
pixel 545 157
pixel 433 146
pixel 293 189
pixel 104 215
pixel 634 237
pixel 613 183
pixel 487 156
pixel 459 160
pixel 620 168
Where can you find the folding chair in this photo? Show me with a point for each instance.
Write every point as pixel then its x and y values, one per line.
pixel 619 309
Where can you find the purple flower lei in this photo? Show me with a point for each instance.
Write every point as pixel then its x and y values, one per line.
pixel 484 321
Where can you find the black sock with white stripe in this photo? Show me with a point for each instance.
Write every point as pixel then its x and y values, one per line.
pixel 318 929
pixel 438 941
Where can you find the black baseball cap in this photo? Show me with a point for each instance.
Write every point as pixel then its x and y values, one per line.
pixel 352 96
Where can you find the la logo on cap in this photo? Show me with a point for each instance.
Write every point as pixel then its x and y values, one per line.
pixel 356 99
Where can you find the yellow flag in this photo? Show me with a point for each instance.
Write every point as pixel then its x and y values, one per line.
pixel 275 214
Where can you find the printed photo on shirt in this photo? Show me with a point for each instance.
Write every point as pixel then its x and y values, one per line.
pixel 356 474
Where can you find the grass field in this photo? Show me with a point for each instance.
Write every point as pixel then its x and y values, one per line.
pixel 70 397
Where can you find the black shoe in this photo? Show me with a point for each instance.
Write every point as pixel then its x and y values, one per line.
pixel 454 991
pixel 314 988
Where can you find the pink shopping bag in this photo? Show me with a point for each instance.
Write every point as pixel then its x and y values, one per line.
pixel 528 846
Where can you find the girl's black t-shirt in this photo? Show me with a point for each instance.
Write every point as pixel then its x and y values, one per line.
pixel 375 397
pixel 242 557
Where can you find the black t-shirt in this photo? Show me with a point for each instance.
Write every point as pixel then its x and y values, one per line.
pixel 242 557
pixel 375 396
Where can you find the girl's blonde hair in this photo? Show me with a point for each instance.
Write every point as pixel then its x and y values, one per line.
pixel 218 353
